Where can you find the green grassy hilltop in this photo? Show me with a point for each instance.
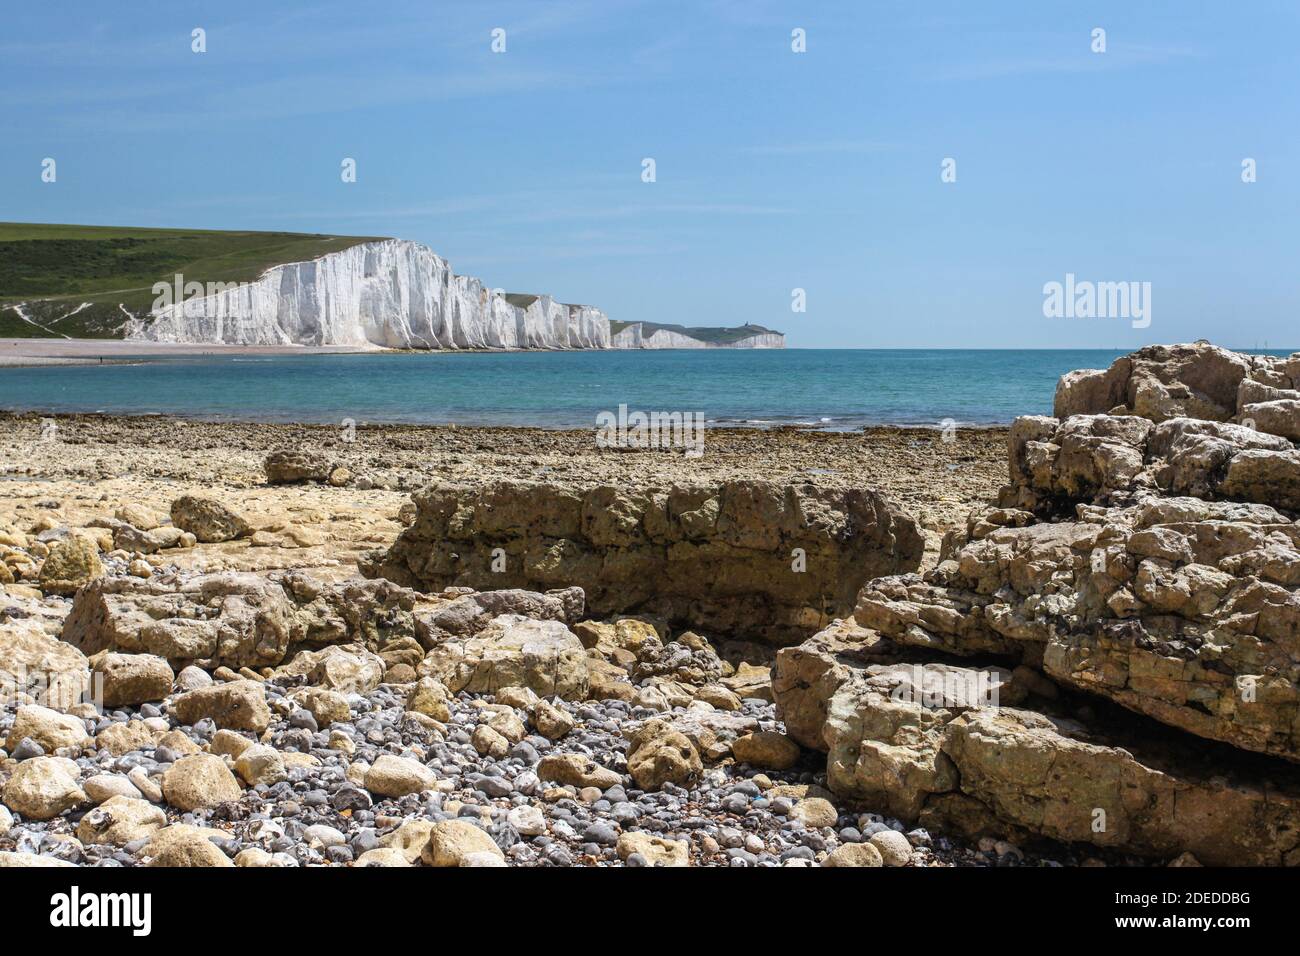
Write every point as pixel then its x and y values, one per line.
pixel 53 269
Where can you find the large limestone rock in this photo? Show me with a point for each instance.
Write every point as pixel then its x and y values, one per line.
pixel 189 851
pixel 430 697
pixel 1272 477
pixel 658 753
pixel 346 668
pixel 711 732
pixel 854 855
pixel 128 680
pixel 743 557
pixel 905 739
pixel 49 728
pixel 766 750
pixel 1053 778
pixel 1179 609
pixel 258 764
pixel 239 620
pixel 575 770
pixel 289 467
pixel 1226 424
pixel 1118 460
pixel 807 675
pixel 139 516
pixel 885 728
pixel 207 519
pixel 383 857
pixel 104 786
pixel 373 613
pixel 467 615
pixel 123 738
pixel 198 782
pixel 15 860
pixel 120 820
pixel 43 787
pixel 656 851
pixel 325 706
pixel 128 538
pixel 72 562
pixel 451 842
pixel 409 839
pixel 1160 382
pixel 513 651
pixel 236 705
pixel 391 776
pixel 1278 417
pixel 35 663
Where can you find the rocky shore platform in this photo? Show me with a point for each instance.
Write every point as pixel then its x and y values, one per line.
pixel 1073 642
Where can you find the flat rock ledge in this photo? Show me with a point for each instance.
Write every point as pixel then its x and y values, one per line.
pixel 747 559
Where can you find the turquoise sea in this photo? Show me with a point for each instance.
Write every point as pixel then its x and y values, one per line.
pixel 840 389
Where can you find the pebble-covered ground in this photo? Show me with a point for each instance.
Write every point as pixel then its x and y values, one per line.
pixel 321 812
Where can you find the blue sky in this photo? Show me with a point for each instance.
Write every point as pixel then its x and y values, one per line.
pixel 775 170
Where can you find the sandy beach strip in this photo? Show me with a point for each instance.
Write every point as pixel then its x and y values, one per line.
pixel 36 352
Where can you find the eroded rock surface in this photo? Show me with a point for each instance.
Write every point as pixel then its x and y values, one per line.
pixel 1170 381
pixel 744 558
pixel 1145 552
pixel 951 748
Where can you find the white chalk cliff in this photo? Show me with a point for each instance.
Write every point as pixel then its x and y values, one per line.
pixel 388 294
pixel 635 336
pixel 399 294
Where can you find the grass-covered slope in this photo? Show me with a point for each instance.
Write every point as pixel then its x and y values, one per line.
pixel 717 335
pixel 53 270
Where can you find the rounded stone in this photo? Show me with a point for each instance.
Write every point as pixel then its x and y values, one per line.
pixel 854 854
pixel 451 841
pixel 895 850
pixel 198 782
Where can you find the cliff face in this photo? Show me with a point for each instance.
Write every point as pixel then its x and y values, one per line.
pixel 389 294
pixel 635 336
pixel 394 293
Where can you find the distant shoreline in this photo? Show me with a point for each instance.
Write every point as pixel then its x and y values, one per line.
pixel 39 352
pixel 14 414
